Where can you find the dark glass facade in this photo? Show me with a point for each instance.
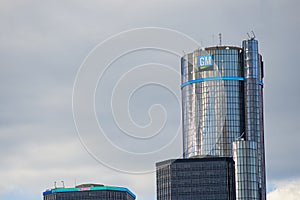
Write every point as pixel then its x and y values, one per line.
pixel 222 111
pixel 197 178
pixel 89 193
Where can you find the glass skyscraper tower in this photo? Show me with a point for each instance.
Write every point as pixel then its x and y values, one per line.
pixel 222 108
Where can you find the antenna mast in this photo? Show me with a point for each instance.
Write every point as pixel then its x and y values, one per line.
pixel 220 38
pixel 253 35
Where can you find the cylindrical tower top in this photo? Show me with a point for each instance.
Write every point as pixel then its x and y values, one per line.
pixel 212 100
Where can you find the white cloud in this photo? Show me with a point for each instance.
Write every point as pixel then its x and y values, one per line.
pixel 290 191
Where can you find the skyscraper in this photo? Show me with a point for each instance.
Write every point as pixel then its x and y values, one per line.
pixel 222 113
pixel 89 192
pixel 222 102
pixel 209 178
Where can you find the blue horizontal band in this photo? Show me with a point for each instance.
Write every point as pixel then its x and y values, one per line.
pixel 98 188
pixel 227 78
pixel 222 78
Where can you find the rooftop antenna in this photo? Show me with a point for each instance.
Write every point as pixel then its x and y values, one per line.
pixel 55 184
pixel 63 183
pixel 253 35
pixel 248 36
pixel 220 38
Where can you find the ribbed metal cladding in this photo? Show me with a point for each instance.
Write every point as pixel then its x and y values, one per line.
pixel 212 102
pixel 254 128
pixel 246 170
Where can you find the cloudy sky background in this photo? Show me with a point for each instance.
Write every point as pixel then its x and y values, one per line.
pixel 43 44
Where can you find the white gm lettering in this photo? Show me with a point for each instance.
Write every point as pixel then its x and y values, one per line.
pixel 205 61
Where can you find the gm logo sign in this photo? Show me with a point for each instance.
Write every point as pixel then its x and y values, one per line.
pixel 205 61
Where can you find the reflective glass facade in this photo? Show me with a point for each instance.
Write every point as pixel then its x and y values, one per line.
pixel 253 85
pixel 246 170
pixel 209 178
pixel 212 102
pixel 222 103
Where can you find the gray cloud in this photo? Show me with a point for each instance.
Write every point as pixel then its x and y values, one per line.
pixel 43 44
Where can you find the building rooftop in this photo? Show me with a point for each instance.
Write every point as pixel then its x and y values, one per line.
pixel 194 159
pixel 223 47
pixel 89 187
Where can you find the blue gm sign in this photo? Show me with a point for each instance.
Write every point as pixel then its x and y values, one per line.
pixel 205 61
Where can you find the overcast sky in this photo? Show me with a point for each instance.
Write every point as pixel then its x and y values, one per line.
pixel 43 46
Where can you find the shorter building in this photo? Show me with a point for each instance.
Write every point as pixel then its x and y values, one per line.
pixel 89 192
pixel 209 178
